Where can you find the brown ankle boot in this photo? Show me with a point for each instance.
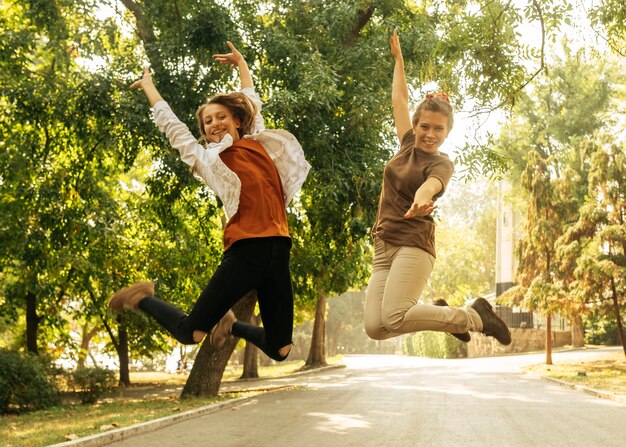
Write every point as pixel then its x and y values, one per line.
pixel 129 297
pixel 493 325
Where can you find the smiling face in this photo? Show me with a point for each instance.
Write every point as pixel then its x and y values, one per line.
pixel 431 131
pixel 217 121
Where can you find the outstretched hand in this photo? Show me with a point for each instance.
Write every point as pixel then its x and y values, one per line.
pixel 421 210
pixel 234 58
pixel 148 87
pixel 144 81
pixel 394 42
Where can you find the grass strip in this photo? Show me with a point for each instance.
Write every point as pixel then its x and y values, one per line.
pixel 606 374
pixel 59 424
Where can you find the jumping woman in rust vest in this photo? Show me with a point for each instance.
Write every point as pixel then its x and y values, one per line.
pixel 404 232
pixel 255 172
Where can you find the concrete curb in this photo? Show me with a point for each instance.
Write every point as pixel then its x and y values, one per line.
pixel 582 389
pixel 108 437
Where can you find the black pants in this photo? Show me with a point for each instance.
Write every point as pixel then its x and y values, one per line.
pixel 261 264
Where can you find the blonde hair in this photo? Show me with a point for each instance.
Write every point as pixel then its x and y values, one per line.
pixel 238 104
pixel 435 102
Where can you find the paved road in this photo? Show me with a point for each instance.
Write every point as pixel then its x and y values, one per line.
pixel 403 401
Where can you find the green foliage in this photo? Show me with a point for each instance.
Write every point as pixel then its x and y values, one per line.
pixel 611 16
pixel 61 137
pixel 436 345
pixel 25 383
pixel 601 330
pixel 92 383
pixel 465 263
pixel 551 139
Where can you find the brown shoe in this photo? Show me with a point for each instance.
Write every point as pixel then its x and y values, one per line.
pixel 129 297
pixel 493 325
pixel 221 330
pixel 465 337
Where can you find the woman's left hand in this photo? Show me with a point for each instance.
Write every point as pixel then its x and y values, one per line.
pixel 420 209
pixel 394 42
pixel 233 59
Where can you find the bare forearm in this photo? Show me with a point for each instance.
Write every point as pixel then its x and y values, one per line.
pixel 152 93
pixel 400 98
pixel 399 90
pixel 427 191
pixel 244 75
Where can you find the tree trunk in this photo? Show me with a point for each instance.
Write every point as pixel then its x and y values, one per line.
pixel 32 323
pixel 122 352
pixel 333 332
pixel 549 339
pixel 317 352
pixel 250 357
pixel 618 316
pixel 206 375
pixel 578 332
pixel 87 335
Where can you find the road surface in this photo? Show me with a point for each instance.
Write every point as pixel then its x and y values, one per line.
pixel 414 402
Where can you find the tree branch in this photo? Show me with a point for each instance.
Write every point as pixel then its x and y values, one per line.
pixel 106 325
pixel 145 30
pixel 541 68
pixel 363 18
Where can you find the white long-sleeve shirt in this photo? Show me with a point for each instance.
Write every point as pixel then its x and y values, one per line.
pixel 282 147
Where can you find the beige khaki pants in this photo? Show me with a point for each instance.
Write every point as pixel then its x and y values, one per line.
pixel 391 303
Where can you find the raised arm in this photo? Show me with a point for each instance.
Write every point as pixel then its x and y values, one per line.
pixel 146 84
pixel 399 90
pixel 234 58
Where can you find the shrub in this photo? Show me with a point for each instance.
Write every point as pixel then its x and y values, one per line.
pixel 25 383
pixel 92 383
pixel 434 345
pixel 601 331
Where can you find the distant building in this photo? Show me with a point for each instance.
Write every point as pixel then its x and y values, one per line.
pixel 507 229
pixel 508 233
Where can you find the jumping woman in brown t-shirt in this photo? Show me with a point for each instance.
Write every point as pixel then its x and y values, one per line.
pixel 255 172
pixel 404 233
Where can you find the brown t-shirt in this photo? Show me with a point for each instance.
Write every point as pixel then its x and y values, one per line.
pixel 261 211
pixel 403 175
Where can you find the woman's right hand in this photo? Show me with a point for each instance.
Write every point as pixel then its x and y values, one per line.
pixel 148 87
pixel 394 41
pixel 145 81
pixel 420 209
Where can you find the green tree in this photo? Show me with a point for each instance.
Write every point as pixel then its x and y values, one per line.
pixel 547 143
pixel 610 16
pixel 65 142
pixel 466 226
pixel 536 274
pixel 598 238
pixel 61 141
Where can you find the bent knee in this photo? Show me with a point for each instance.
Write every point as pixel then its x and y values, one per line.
pixel 392 322
pixel 375 332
